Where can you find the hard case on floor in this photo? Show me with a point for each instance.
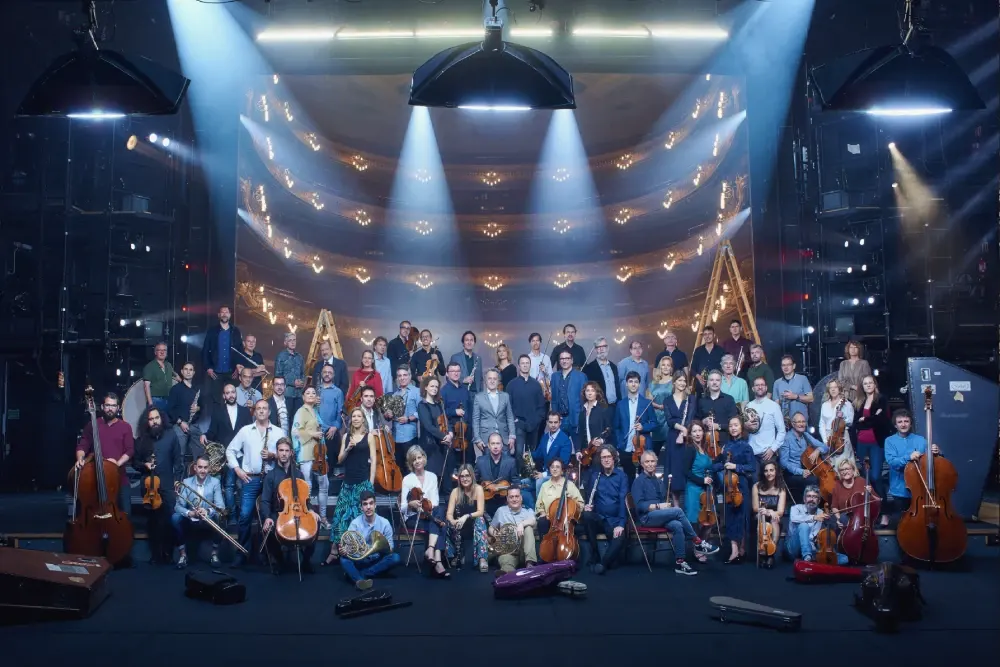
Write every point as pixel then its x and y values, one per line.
pixel 731 610
pixel 528 580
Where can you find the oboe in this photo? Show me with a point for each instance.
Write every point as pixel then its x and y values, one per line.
pixel 590 501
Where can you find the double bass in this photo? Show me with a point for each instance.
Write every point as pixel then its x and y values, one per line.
pixel 98 526
pixel 930 530
pixel 560 541
pixel 295 525
pixel 858 540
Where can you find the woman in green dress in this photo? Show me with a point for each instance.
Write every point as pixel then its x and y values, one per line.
pixel 698 467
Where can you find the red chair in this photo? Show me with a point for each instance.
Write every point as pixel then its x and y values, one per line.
pixel 645 532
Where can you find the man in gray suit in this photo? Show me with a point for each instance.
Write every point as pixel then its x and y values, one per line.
pixel 491 413
pixel 190 511
pixel 471 363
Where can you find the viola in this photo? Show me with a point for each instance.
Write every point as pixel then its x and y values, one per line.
pixel 858 540
pixel 734 496
pixel 321 466
pixel 560 542
pixel 826 541
pixel 295 524
pixel 388 476
pixel 930 530
pixel 460 438
pixel 493 489
pixel 765 537
pixel 98 526
pixel 151 498
pixel 706 508
pixel 431 367
pixel 426 508
pixel 712 446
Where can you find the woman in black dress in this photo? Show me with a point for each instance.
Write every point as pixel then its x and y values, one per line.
pixel 737 457
pixel 435 442
pixel 769 503
pixel 466 509
pixel 596 424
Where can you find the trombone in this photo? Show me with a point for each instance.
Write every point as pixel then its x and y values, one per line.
pixel 196 504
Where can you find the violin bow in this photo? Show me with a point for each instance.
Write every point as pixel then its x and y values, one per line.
pixel 637 419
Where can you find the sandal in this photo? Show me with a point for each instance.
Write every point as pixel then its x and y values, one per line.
pixel 443 574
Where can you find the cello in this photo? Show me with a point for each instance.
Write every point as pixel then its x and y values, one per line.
pixel 296 524
pixel 98 526
pixel 858 540
pixel 826 476
pixel 560 541
pixel 930 530
pixel 388 476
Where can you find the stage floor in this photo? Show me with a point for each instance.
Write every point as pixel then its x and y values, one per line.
pixel 628 617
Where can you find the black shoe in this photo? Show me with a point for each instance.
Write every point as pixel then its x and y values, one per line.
pixel 275 570
pixel 307 568
pixel 599 568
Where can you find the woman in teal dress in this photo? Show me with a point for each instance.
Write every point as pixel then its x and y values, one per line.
pixel 660 389
pixel 698 474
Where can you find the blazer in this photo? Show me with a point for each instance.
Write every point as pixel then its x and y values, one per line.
pixel 220 430
pixel 570 388
pixel 593 372
pixel 477 376
pixel 624 430
pixel 880 423
pixel 602 418
pixel 341 378
pixel 186 499
pixel 508 468
pixel 485 421
pixel 292 404
pixel 562 449
pixel 210 351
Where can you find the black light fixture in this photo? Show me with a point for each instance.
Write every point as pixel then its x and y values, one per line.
pixel 492 75
pixel 96 84
pixel 908 79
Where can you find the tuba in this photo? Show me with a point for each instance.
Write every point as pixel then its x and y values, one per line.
pixel 354 547
pixel 506 541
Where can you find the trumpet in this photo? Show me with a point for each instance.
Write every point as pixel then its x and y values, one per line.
pixel 196 504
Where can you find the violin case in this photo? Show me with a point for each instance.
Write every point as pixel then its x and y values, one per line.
pixel 369 602
pixel 811 572
pixel 740 611
pixel 530 580
pixel 215 587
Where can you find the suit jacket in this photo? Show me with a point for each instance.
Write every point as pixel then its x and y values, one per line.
pixel 477 377
pixel 623 427
pixel 508 468
pixel 210 352
pixel 562 449
pixel 593 372
pixel 292 404
pixel 186 499
pixel 220 429
pixel 602 418
pixel 485 421
pixel 341 378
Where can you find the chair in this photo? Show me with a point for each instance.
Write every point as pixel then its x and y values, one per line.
pixel 641 532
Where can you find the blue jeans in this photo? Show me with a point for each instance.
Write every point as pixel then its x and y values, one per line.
pixel 229 490
pixel 876 456
pixel 161 405
pixel 248 508
pixel 369 567
pixel 799 543
pixel 675 520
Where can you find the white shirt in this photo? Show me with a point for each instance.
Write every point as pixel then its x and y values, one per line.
pixel 231 410
pixel 494 397
pixel 772 426
pixel 248 442
pixel 633 407
pixel 536 361
pixel 552 440
pixel 826 416
pixel 370 416
pixel 279 402
pixel 429 487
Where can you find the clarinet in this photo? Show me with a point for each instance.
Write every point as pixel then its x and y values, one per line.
pixel 590 501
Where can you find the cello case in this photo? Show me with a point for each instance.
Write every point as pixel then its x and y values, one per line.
pixel 810 572
pixel 529 580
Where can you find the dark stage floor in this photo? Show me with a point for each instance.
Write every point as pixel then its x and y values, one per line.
pixel 629 617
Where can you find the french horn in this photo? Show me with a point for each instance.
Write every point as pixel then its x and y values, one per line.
pixel 750 416
pixel 505 541
pixel 354 547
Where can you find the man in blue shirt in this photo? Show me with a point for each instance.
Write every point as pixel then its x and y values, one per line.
pixel 216 355
pixel 792 391
pixel 405 425
pixel 790 454
pixel 900 449
pixel 634 363
pixel 605 510
pixel 671 350
pixel 290 365
pixel 331 402
pixel 361 571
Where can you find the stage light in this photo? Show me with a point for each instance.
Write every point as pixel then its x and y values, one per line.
pixel 875 372
pixel 121 322
pixel 892 145
pixel 297 35
pixel 849 269
pixel 132 142
pixel 97 84
pixel 810 330
pixel 611 32
pixel 855 301
pixel 871 300
pixel 847 243
pixel 531 32
pixel 132 246
pixel 118 372
pixel 895 185
pixel 165 142
pixel 375 34
pixel 487 107
pixel 492 72
pixel 689 32
pixel 153 138
pixel 147 248
pixel 904 111
pixel 861 241
pixel 138 323
pixel 864 267
pixel 184 338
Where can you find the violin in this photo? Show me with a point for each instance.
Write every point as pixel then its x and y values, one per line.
pixel 295 524
pixel 98 527
pixel 426 508
pixel 493 489
pixel 388 476
pixel 354 400
pixel 587 454
pixel 766 545
pixel 731 481
pixel 639 440
pixel 858 540
pixel 560 541
pixel 930 530
pixel 712 446
pixel 706 508
pixel 151 499
pixel 826 541
pixel 321 466
pixel 460 439
pixel 432 365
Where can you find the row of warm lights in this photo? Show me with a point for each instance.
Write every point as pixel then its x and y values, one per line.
pixel 288 251
pixel 490 178
pixel 624 274
pixel 265 109
pixel 326 34
pixel 697 177
pixel 624 161
pixel 850 269
pixel 722 104
pixel 492 230
pixel 422 175
pixel 671 138
pixel 313 141
pixel 423 281
pixel 290 118
pixel 562 281
pixel 619 336
pixel 359 163
pixel 362 218
pixel 623 215
pixel 561 174
pixel 314 200
pixel 262 199
pixel 423 227
pixel 723 195
pixel 668 199
pixel 715 147
pixel 270 149
pixel 317 267
pixel 493 339
pixel 493 283
pixel 288 178
pixel 561 226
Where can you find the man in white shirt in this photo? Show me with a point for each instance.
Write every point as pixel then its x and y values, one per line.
pixel 257 445
pixel 361 571
pixel 539 361
pixel 767 431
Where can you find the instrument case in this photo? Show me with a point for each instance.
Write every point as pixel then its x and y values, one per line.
pixel 214 587
pixel 740 611
pixel 529 580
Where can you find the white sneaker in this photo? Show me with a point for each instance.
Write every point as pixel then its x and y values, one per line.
pixel 705 548
pixel 683 568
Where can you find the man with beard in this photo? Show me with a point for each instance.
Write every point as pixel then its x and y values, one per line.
pixel 117 446
pixel 157 453
pixel 715 408
pixel 217 354
pixel 283 407
pixel 759 368
pixel 804 523
pixel 767 430
pixel 604 372
pixel 270 504
pixel 227 420
pixel 190 511
pixel 708 357
pixel 576 352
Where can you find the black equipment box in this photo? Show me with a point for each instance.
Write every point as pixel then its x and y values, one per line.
pixel 740 611
pixel 214 587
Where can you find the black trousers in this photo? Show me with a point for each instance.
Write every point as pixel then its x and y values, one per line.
pixel 596 524
pixel 277 550
pixel 158 526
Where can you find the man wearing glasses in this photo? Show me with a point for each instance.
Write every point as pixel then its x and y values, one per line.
pixel 605 510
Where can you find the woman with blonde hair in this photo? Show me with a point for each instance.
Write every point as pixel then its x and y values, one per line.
pixel 466 517
pixel 357 457
pixel 836 406
pixel 505 365
pixel 413 517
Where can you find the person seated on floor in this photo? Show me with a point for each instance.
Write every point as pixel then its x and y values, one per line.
pixel 605 510
pixel 361 571
pixel 270 505
pixel 190 512
pixel 523 520
pixel 656 511
pixel 804 523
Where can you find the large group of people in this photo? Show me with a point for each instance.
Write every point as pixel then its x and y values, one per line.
pixel 538 428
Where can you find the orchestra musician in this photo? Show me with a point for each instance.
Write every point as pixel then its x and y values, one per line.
pixel 434 443
pixel 852 369
pixel 769 501
pixel 246 395
pixel 634 363
pixel 767 429
pixel 362 571
pixel 308 432
pixel 679 411
pixel 505 364
pixel 577 355
pixel 736 346
pixel 551 491
pixel 340 377
pixel 456 396
pixel 282 406
pixel 527 402
pixel 423 359
pixel 634 417
pixel 541 367
pixel 497 465
pixel 366 376
pixel 869 431
pixel 567 391
pixel 759 368
pixel 372 418
pixel 382 364
pixel 357 457
pixel 157 453
pixel 847 481
pixel 117 445
pixel 328 413
pixel 270 506
pixel 736 457
pixel 398 349
pixel 555 444
pixel 836 405
pixel 216 354
pixel 698 479
pixel 596 425
pixel 649 493
pixel 523 519
pixel 715 409
pixel 792 391
pixel 425 480
pixel 466 517
pixel 228 418
pixel 604 372
pixel 900 448
pixel 158 377
pixel 470 363
pixel 183 407
pixel 492 413
pixel 659 391
pixel 189 512
pixel 732 383
pixel 804 523
pixel 255 444
pixel 670 349
pixel 404 426
pixel 290 365
pixel 706 357
pixel 605 510
pixel 790 455
pixel 255 359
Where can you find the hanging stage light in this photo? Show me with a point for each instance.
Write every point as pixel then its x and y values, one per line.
pixel 492 75
pixel 92 83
